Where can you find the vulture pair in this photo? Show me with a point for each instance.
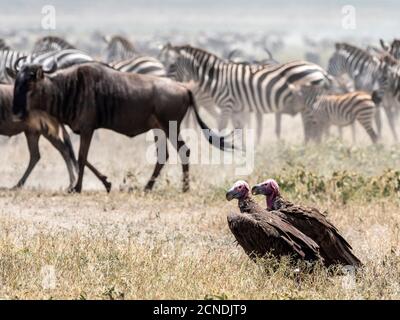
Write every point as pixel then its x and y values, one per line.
pixel 284 228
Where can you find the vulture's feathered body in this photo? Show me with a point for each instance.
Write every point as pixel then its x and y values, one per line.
pixel 334 249
pixel 260 232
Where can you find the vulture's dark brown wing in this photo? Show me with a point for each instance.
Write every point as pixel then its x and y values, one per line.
pixel 259 234
pixel 333 247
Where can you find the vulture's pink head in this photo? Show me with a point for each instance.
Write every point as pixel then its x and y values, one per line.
pixel 268 188
pixel 240 190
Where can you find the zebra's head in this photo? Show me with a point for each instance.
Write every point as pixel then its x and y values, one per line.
pixel 118 48
pixel 26 82
pixel 182 64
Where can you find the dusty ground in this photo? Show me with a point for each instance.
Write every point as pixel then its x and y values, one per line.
pixel 172 245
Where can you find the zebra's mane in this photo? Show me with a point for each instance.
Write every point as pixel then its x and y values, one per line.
pixel 51 43
pixel 192 50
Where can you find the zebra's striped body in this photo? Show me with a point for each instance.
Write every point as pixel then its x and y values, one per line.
pixel 122 56
pixel 238 87
pixel 367 71
pixel 65 58
pixel 340 110
pixel 141 64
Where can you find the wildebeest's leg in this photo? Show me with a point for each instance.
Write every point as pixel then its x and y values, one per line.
pixel 86 138
pixel 34 154
pixel 99 175
pixel 65 153
pixel 160 141
pixel 184 153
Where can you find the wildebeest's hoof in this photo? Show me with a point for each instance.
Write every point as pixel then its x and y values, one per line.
pixel 16 187
pixel 107 185
pixel 149 186
pixel 185 188
pixel 74 190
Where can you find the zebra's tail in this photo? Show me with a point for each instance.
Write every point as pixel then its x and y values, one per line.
pixel 213 138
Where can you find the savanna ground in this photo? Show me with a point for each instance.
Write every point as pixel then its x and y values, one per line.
pixel 134 245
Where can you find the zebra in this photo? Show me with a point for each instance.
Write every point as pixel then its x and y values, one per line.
pixel 13 60
pixel 364 68
pixel 51 43
pixel 340 109
pixel 122 56
pixel 237 87
pixel 393 49
pixel 268 61
pixel 118 48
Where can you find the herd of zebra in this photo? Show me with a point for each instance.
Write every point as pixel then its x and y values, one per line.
pixel 357 84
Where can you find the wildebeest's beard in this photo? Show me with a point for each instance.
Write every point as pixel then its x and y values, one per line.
pixel 20 101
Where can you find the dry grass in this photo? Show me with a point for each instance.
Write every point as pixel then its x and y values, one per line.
pixel 172 245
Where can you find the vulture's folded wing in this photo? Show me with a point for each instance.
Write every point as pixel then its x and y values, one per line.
pixel 259 234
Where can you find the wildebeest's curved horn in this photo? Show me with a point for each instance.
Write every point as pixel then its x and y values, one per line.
pixel 53 67
pixel 17 62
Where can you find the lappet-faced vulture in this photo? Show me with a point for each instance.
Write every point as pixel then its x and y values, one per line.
pixel 333 247
pixel 260 232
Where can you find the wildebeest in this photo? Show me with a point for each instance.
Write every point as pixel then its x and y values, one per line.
pixel 39 123
pixel 92 95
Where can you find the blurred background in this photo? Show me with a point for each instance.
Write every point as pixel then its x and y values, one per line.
pixel 280 23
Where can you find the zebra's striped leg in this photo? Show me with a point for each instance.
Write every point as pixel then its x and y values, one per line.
pixel 390 117
pixel 259 119
pixel 308 126
pixel 224 118
pixel 370 131
pixel 240 119
pixel 278 119
pixel 367 125
pixel 353 132
pixel 340 131
pixel 378 121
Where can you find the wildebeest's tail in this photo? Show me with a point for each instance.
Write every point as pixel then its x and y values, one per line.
pixel 68 144
pixel 213 138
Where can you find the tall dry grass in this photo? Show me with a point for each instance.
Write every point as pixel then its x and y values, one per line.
pixel 131 245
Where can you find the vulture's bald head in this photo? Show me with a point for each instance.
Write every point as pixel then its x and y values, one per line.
pixel 268 188
pixel 239 190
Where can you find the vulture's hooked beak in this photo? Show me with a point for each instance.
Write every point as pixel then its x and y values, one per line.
pixel 257 189
pixel 231 194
